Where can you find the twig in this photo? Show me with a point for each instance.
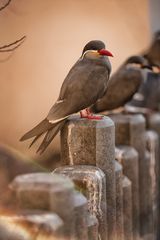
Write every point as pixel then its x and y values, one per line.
pixel 7 3
pixel 13 43
pixel 6 48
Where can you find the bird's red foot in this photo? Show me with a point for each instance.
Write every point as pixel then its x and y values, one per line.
pixel 94 117
pixel 87 114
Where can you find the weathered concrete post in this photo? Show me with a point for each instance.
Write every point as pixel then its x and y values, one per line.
pixel 91 181
pixel 80 215
pixel 153 123
pixel 128 157
pixel 153 148
pixel 130 130
pixel 30 225
pixel 127 209
pixel 92 225
pixel 45 191
pixel 92 142
pixel 119 202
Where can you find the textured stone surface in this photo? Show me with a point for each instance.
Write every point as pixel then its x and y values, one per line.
pixel 127 209
pixel 90 180
pixel 119 202
pixel 130 130
pixel 128 157
pixel 153 122
pixel 47 191
pixel 92 225
pixel 92 142
pixel 29 226
pixel 152 139
pixel 80 215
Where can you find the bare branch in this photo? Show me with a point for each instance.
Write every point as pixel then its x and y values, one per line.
pixel 13 43
pixel 6 48
pixel 5 5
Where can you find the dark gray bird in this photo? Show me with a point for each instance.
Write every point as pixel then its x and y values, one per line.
pixel 147 99
pixel 122 85
pixel 153 52
pixel 85 83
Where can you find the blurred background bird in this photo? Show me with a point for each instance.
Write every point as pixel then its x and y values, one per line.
pixel 122 85
pixel 152 54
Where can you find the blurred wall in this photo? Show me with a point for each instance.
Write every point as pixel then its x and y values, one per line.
pixel 154 12
pixel 56 32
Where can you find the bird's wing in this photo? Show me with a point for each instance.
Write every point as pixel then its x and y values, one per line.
pixel 83 86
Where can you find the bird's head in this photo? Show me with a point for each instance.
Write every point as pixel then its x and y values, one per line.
pixel 136 62
pixel 157 36
pixel 95 49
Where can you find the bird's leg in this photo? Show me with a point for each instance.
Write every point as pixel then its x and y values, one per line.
pixel 86 113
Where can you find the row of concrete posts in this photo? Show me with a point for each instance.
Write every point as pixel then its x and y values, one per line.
pixel 107 187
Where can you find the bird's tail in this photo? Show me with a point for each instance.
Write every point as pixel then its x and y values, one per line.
pixel 38 130
pixel 44 126
pixel 51 133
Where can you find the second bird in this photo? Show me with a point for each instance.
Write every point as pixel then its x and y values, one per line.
pixel 122 85
pixel 85 83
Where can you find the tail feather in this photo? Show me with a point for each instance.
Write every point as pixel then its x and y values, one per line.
pixel 42 127
pixel 49 136
pixel 35 139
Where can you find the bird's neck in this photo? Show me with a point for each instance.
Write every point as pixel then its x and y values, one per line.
pixel 91 54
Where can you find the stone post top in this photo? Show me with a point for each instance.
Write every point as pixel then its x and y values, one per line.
pixel 79 199
pixel 125 118
pixel 51 220
pixel 126 182
pixel 77 120
pixel 41 180
pixel 118 166
pixel 155 116
pixel 91 220
pixel 152 74
pixel 81 169
pixel 125 152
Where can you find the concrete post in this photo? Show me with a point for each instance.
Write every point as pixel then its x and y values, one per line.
pixel 92 142
pixel 92 225
pixel 127 209
pixel 80 213
pixel 45 191
pixel 119 202
pixel 130 130
pixel 91 181
pixel 29 226
pixel 153 123
pixel 153 148
pixel 128 157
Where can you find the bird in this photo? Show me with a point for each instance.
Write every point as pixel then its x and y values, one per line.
pixel 122 85
pixel 85 83
pixel 152 54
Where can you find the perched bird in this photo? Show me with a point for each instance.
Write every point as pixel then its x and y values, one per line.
pixel 147 99
pixel 122 85
pixel 152 54
pixel 85 83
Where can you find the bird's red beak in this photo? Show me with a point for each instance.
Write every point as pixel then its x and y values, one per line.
pixel 105 53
